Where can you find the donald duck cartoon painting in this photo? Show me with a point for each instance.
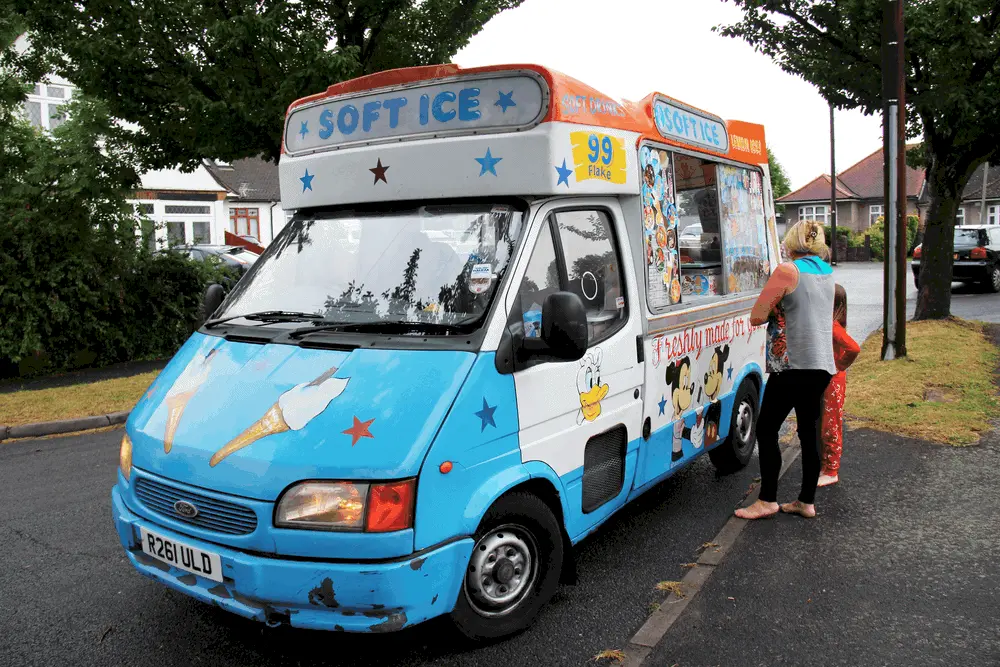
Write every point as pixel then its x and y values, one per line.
pixel 588 385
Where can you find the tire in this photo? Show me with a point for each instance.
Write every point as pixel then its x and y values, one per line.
pixel 519 529
pixel 735 451
pixel 916 280
pixel 992 284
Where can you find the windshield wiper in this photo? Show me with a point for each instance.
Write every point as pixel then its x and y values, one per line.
pixel 268 316
pixel 395 327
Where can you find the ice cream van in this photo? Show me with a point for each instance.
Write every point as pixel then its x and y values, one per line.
pixel 479 337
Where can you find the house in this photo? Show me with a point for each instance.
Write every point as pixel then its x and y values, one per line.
pixel 178 207
pixel 860 198
pixel 200 207
pixel 970 210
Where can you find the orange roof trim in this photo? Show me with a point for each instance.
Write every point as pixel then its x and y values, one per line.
pixel 570 101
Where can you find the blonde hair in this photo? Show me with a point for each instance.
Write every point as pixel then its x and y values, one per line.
pixel 806 237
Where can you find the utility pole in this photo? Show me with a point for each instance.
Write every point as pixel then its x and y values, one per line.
pixel 833 195
pixel 982 194
pixel 894 158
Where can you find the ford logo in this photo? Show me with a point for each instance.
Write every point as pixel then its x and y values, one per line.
pixel 185 509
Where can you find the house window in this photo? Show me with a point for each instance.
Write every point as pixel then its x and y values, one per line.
pixel 245 222
pixel 960 216
pixel 176 234
pixel 817 213
pixel 43 108
pixel 875 211
pixel 992 215
pixel 188 210
pixel 148 228
pixel 201 232
pixel 144 209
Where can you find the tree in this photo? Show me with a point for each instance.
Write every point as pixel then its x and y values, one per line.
pixel 213 78
pixel 780 184
pixel 952 75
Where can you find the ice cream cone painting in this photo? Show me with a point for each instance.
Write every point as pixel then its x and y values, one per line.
pixel 182 391
pixel 291 412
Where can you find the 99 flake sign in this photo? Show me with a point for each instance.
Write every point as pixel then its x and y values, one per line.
pixel 598 156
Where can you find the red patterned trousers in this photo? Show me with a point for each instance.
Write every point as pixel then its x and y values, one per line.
pixel 832 436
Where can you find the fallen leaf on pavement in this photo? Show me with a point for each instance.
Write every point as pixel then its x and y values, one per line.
pixel 689 565
pixel 709 544
pixel 611 655
pixel 675 587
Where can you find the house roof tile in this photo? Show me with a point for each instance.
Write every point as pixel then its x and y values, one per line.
pixel 251 179
pixel 863 180
pixel 817 189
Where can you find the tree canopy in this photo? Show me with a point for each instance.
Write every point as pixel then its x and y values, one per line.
pixel 204 78
pixel 952 82
pixel 779 179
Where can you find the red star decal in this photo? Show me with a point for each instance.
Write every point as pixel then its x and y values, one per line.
pixel 379 172
pixel 359 430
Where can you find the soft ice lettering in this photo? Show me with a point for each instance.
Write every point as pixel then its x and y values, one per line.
pixel 692 127
pixel 381 114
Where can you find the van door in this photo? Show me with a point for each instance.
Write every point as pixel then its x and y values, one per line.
pixel 583 418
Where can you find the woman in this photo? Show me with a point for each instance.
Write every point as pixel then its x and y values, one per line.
pixel 796 304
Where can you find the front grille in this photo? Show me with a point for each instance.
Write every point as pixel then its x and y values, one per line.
pixel 216 515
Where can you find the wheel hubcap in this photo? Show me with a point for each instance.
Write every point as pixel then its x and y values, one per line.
pixel 996 279
pixel 744 423
pixel 502 570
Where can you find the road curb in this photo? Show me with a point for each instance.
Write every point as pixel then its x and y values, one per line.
pixel 659 622
pixel 61 426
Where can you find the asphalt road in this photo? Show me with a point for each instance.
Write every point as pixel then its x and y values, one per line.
pixel 863 282
pixel 69 596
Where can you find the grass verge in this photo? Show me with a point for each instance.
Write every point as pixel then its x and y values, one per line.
pixel 942 392
pixel 80 400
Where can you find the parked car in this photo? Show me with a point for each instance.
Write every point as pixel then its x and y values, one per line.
pixel 236 258
pixel 976 258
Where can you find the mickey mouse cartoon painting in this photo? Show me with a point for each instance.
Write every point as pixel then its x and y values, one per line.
pixel 681 387
pixel 713 389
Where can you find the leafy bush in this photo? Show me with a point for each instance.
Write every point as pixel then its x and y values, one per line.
pixel 75 287
pixel 876 233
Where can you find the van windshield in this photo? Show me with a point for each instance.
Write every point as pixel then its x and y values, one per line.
pixel 434 265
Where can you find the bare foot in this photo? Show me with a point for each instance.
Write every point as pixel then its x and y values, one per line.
pixel 827 480
pixel 758 510
pixel 800 508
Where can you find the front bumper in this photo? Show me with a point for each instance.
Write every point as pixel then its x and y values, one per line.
pixel 313 594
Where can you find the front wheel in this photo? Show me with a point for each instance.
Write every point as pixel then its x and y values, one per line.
pixel 735 452
pixel 514 568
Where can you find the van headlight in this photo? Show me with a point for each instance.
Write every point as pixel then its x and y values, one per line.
pixel 125 457
pixel 347 506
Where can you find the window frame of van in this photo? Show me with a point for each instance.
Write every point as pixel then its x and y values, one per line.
pixel 563 268
pixel 718 298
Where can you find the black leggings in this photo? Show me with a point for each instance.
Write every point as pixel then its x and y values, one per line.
pixel 803 391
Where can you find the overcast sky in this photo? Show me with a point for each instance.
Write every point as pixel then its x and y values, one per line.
pixel 629 48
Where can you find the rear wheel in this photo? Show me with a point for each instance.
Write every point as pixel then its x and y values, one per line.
pixel 992 283
pixel 735 452
pixel 514 568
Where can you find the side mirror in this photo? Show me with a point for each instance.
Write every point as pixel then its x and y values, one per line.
pixel 214 294
pixel 564 326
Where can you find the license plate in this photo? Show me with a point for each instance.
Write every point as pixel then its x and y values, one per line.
pixel 182 556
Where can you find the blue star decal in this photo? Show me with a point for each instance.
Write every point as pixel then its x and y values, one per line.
pixel 486 415
pixel 564 174
pixel 305 129
pixel 662 404
pixel 488 163
pixel 307 181
pixel 729 373
pixel 505 100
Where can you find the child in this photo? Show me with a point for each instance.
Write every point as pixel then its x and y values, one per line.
pixel 845 351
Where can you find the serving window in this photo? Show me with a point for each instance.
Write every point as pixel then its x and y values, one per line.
pixel 704 228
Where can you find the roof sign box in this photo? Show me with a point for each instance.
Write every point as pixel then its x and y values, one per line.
pixel 685 124
pixel 461 105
